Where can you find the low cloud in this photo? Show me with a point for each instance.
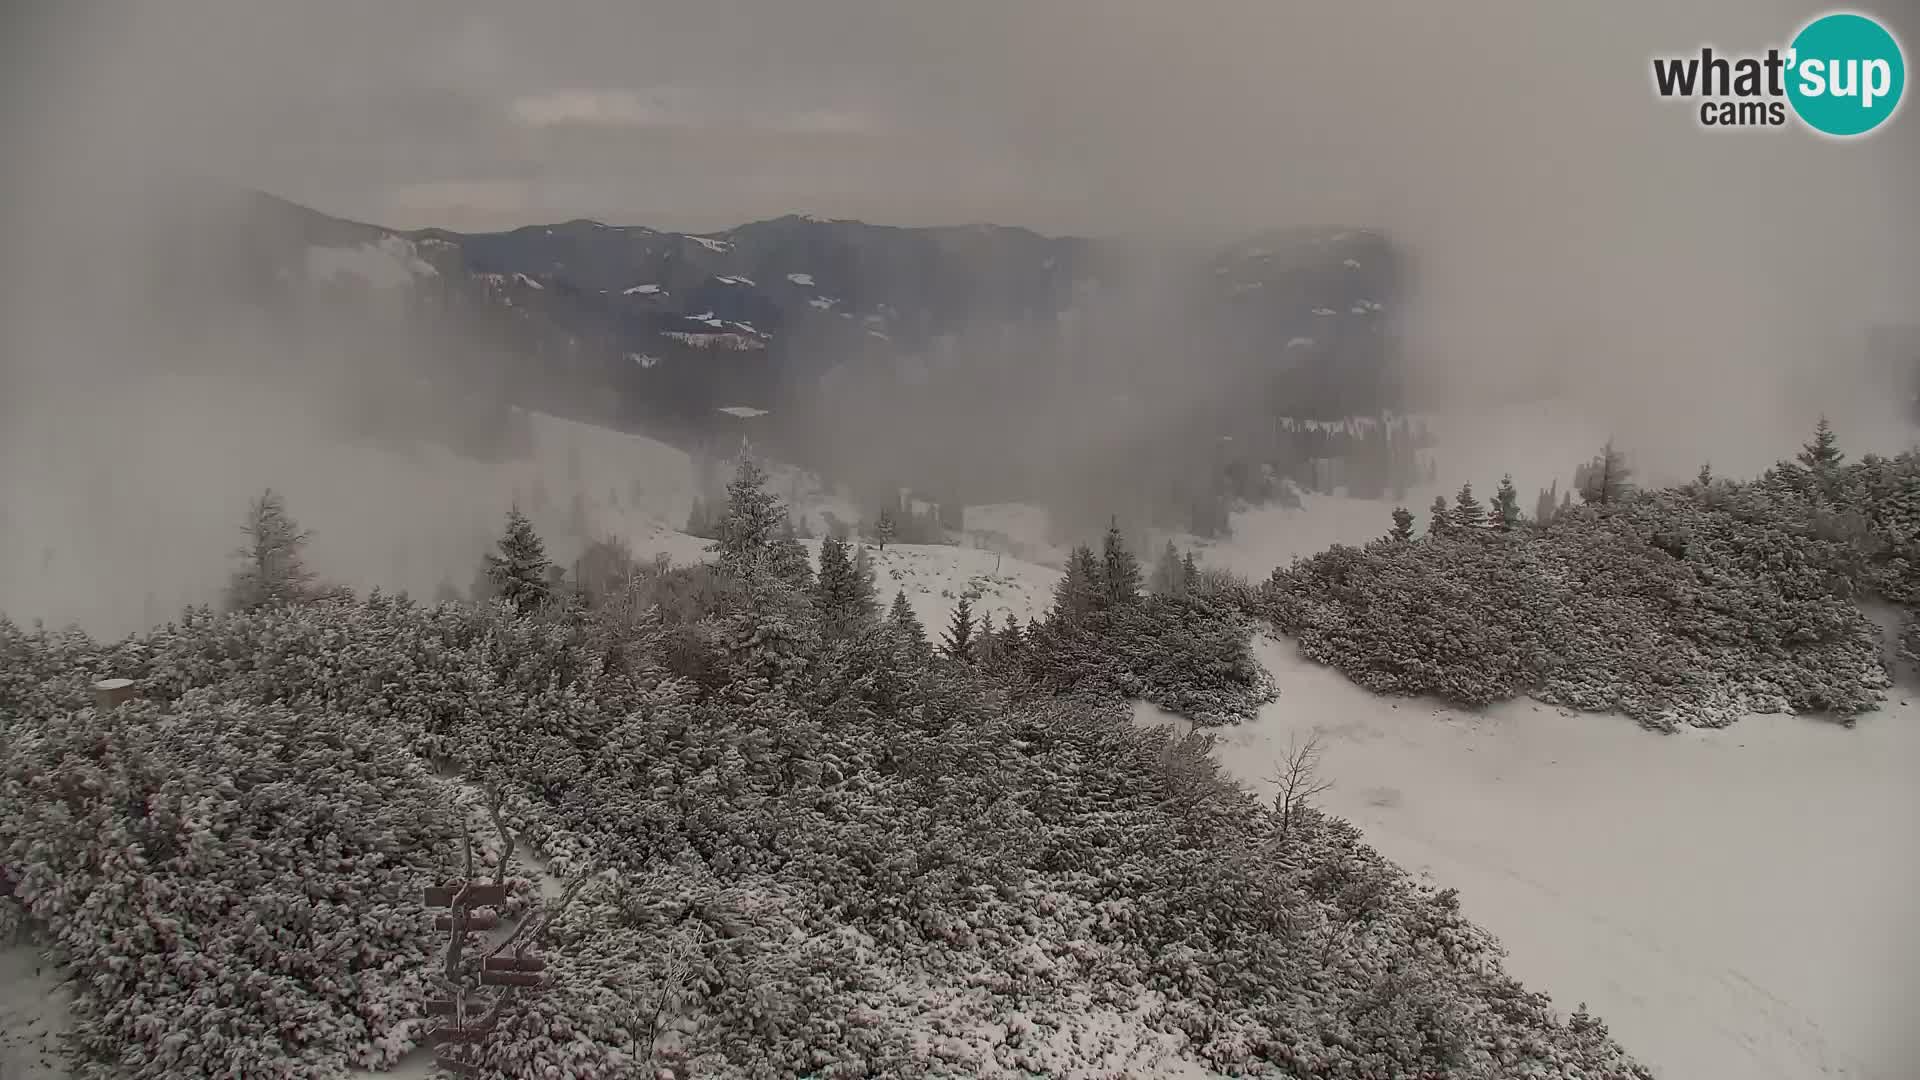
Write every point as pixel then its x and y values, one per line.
pixel 679 109
pixel 605 109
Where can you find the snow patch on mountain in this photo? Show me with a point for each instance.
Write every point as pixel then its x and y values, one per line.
pixel 800 279
pixel 731 279
pixel 823 302
pixel 648 289
pixel 719 247
pixel 729 340
pixel 744 412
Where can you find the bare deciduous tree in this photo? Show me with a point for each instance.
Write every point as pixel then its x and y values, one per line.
pixel 1296 781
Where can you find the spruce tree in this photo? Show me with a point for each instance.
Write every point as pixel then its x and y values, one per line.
pixel 1604 480
pixel 906 628
pixel 1011 638
pixel 787 559
pixel 1822 455
pixel 986 643
pixel 274 569
pixel 518 574
pixel 1402 525
pixel 1704 478
pixel 1081 590
pixel 755 533
pixel 833 588
pixel 1439 517
pixel 1120 571
pixel 1189 573
pixel 1168 578
pixel 958 643
pixel 842 596
pixel 1506 505
pixel 883 528
pixel 866 593
pixel 1547 504
pixel 1467 511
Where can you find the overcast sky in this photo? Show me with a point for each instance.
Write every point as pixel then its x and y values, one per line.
pixel 1515 148
pixel 1065 114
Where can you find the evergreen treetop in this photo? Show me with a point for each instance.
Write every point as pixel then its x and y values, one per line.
pixel 1468 513
pixel 1823 453
pixel 274 568
pixel 1606 479
pixel 958 642
pixel 1402 525
pixel 1505 514
pixel 1081 590
pixel 1120 571
pixel 519 573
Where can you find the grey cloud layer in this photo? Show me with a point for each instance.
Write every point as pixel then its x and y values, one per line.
pixel 1562 217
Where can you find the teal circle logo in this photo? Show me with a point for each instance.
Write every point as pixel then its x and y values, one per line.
pixel 1846 74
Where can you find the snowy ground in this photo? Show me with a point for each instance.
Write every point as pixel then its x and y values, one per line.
pixel 934 577
pixel 1733 903
pixel 33 1014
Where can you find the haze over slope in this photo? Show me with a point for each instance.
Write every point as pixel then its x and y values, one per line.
pixel 1693 293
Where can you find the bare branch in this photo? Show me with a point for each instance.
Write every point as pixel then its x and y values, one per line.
pixel 1297 781
pixel 670 979
pixel 494 799
pixel 532 933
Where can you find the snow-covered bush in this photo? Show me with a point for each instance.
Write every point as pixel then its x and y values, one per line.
pixel 237 883
pixel 1188 655
pixel 824 855
pixel 1668 607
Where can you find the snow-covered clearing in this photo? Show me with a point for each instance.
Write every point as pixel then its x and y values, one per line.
pixel 1733 903
pixel 33 1014
pixel 934 577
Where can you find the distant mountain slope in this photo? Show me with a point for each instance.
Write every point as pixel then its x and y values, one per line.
pixel 851 347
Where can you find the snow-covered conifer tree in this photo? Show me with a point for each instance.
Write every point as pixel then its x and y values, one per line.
pixel 273 568
pixel 519 573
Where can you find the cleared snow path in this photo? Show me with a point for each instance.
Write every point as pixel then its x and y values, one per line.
pixel 1735 903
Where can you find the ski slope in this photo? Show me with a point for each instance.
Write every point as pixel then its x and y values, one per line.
pixel 1733 903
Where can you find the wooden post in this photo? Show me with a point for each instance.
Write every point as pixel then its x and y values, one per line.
pixel 463 1023
pixel 109 693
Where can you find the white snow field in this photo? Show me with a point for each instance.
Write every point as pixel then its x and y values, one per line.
pixel 1735 903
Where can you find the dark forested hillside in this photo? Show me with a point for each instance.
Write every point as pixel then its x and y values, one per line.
pixel 863 351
